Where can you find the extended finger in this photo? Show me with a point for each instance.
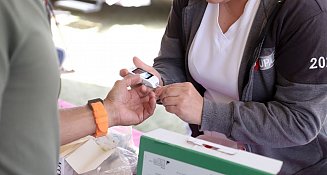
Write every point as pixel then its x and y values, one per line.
pixel 145 99
pixel 123 72
pixel 151 106
pixel 142 90
pixel 132 80
pixel 153 103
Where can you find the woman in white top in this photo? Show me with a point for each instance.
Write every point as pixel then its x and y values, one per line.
pixel 253 70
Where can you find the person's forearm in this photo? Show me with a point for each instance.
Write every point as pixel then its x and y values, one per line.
pixel 76 123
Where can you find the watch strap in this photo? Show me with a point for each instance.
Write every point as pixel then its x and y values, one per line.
pixel 100 116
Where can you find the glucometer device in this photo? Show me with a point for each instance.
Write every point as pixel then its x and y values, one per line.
pixel 148 79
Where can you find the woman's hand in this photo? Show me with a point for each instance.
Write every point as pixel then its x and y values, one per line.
pixel 183 100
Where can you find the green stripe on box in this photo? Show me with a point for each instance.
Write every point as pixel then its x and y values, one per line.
pixel 192 157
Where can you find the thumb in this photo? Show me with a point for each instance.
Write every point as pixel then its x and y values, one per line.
pixel 140 64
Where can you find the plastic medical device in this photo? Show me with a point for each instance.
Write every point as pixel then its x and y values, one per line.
pixel 148 79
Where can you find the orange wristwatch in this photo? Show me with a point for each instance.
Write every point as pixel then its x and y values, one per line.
pixel 100 116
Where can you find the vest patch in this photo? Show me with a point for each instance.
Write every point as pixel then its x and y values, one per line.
pixel 267 58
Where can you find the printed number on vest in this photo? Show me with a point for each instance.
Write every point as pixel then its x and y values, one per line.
pixel 319 63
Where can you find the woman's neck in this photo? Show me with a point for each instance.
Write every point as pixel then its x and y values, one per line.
pixel 230 12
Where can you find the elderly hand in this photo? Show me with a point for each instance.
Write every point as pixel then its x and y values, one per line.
pixel 129 106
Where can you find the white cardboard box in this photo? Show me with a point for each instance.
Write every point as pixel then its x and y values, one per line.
pixel 164 152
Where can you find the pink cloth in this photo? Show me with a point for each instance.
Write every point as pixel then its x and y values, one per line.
pixel 63 104
pixel 136 137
